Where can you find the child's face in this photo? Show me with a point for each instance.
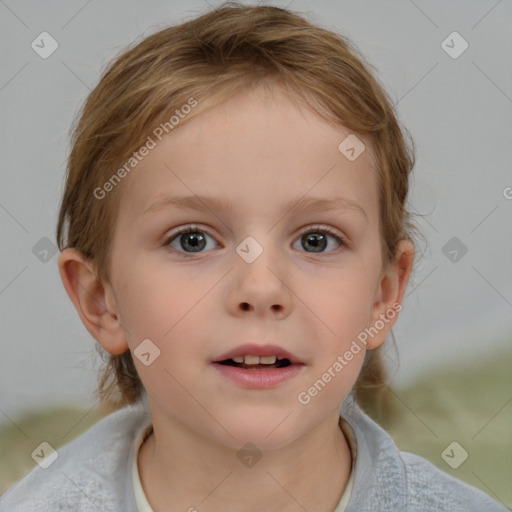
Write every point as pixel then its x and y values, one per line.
pixel 256 154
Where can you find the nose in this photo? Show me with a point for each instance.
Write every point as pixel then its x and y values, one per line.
pixel 245 306
pixel 260 288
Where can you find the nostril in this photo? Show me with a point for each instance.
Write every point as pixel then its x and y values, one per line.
pixel 277 307
pixel 245 306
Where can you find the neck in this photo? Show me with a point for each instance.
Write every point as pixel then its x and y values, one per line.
pixel 178 472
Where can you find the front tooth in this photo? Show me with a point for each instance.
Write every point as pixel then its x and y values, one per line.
pixel 238 359
pixel 258 360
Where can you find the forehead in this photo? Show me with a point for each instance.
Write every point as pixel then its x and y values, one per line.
pixel 258 149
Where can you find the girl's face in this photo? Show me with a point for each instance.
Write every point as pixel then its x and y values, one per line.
pixel 255 270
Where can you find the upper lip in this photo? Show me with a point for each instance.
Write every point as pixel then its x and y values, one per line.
pixel 252 349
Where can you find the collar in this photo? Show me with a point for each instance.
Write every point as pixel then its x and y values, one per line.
pixel 379 473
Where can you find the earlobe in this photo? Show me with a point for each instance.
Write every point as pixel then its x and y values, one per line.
pixel 390 292
pixel 89 296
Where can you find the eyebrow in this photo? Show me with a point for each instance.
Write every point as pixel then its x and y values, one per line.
pixel 204 203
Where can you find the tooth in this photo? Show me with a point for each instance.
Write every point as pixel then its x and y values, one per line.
pixel 252 360
pixel 268 359
pixel 238 359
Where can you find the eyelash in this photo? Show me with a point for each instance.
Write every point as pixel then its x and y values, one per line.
pixel 317 228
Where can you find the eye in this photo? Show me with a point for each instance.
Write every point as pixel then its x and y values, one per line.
pixel 190 240
pixel 318 238
pixel 314 239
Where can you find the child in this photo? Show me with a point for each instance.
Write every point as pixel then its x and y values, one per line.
pixel 234 234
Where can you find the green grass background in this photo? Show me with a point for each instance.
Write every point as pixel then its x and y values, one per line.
pixel 471 405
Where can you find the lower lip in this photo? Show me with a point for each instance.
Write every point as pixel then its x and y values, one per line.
pixel 259 379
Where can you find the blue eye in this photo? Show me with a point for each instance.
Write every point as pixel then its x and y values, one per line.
pixel 192 239
pixel 317 239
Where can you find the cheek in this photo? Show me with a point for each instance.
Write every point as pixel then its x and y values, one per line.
pixel 338 355
pixel 344 303
pixel 154 299
pixel 166 310
pixel 171 309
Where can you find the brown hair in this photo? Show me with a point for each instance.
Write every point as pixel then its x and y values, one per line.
pixel 208 59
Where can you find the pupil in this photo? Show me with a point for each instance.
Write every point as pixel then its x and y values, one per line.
pixel 317 241
pixel 194 241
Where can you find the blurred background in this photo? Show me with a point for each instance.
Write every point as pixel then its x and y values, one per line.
pixel 446 66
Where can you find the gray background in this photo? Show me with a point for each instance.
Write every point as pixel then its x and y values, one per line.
pixel 458 111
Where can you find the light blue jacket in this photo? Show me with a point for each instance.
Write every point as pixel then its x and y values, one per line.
pixel 93 473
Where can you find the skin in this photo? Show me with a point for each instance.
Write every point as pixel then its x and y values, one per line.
pixel 259 150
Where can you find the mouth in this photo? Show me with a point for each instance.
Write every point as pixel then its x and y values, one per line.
pixel 250 362
pixel 254 356
pixel 258 366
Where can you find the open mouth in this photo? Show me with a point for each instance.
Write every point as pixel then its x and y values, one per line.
pixel 260 365
pixel 258 371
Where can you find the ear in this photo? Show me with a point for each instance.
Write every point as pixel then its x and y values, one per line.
pixel 93 300
pixel 390 293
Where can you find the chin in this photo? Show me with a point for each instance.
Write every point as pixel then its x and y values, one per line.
pixel 267 431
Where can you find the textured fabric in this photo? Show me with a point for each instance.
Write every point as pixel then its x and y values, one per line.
pixel 94 472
